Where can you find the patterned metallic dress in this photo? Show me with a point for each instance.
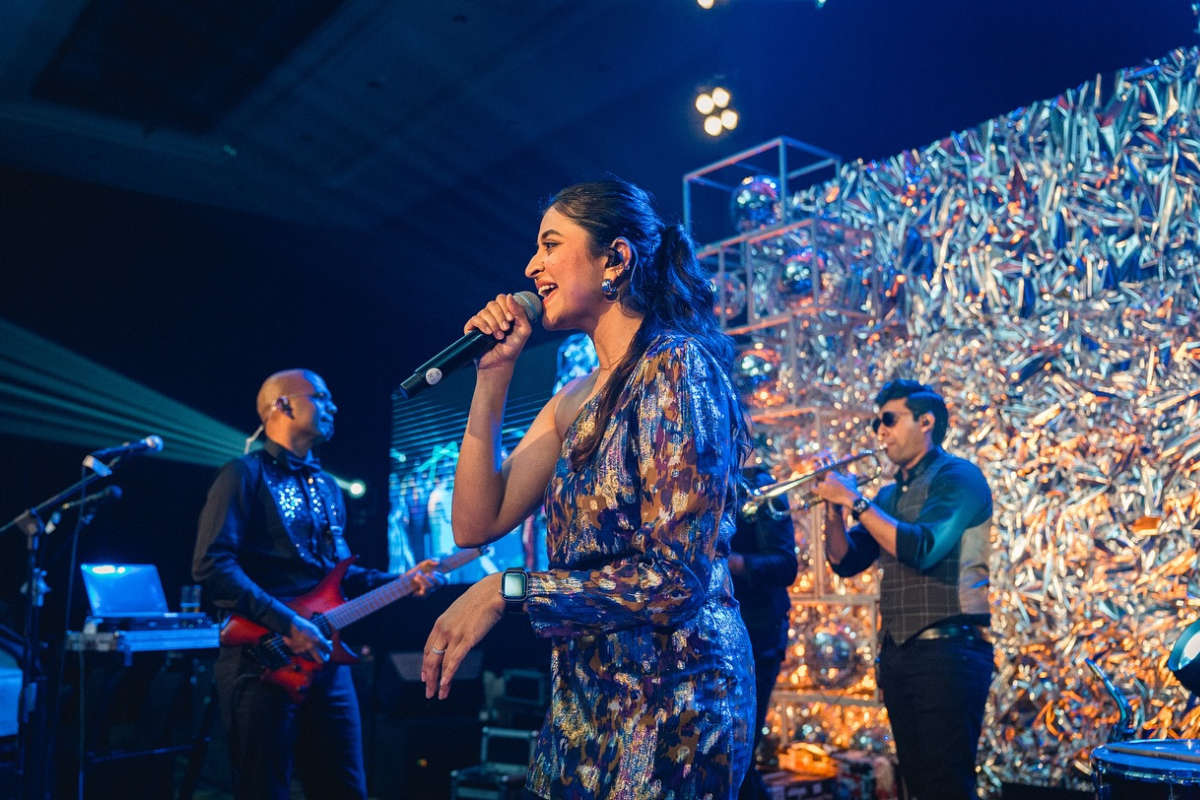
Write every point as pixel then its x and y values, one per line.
pixel 653 689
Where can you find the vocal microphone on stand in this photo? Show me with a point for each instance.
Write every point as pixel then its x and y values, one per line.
pixel 94 460
pixel 465 350
pixel 109 495
pixel 92 501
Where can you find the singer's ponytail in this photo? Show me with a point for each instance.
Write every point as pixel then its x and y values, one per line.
pixel 663 282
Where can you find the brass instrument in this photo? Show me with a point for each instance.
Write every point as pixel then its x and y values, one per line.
pixel 763 497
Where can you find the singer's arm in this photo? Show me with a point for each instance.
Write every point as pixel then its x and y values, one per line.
pixel 491 498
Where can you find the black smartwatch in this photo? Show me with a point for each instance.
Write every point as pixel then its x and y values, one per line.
pixel 860 505
pixel 514 589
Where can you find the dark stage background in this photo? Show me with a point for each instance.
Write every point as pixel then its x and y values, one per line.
pixel 133 259
pixel 200 302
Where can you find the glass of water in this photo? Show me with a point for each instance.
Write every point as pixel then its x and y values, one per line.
pixel 189 598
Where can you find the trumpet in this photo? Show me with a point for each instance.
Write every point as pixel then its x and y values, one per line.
pixel 758 498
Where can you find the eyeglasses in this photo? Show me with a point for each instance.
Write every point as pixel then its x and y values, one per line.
pixel 887 419
pixel 316 398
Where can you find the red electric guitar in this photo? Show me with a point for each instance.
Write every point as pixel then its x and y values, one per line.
pixel 330 611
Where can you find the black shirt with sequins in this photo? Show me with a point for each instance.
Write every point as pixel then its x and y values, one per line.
pixel 271 529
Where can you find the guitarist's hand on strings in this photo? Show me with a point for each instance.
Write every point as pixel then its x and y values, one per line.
pixel 426 577
pixel 304 639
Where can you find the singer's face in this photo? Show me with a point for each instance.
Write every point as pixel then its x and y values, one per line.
pixel 567 273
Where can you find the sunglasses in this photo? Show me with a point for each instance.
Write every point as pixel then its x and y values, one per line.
pixel 887 419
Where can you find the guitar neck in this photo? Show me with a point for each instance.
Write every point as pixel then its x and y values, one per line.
pixel 354 610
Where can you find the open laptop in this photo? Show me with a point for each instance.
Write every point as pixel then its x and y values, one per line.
pixel 124 590
pixel 130 596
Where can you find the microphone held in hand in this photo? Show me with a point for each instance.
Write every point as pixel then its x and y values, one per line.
pixel 465 350
pixel 109 495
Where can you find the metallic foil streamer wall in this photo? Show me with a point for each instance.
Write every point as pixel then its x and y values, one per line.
pixel 1041 270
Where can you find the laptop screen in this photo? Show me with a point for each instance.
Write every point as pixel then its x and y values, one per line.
pixel 123 589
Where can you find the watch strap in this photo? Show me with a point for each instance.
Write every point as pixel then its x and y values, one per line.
pixel 859 507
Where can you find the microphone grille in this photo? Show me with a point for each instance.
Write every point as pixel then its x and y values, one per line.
pixel 532 305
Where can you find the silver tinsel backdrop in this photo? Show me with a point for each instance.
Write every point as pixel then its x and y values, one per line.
pixel 1041 270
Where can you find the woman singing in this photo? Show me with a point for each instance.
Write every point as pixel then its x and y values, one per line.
pixel 652 685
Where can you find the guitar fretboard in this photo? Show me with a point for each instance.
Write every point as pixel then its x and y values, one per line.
pixel 372 601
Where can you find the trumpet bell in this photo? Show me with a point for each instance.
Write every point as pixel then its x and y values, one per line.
pixel 762 497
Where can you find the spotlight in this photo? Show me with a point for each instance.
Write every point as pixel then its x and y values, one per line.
pixel 714 105
pixel 357 489
pixel 705 3
pixel 1183 661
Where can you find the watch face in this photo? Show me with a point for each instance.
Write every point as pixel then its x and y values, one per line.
pixel 513 586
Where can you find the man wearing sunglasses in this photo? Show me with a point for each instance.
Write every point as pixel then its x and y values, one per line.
pixel 930 531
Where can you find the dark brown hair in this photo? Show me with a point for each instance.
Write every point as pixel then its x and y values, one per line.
pixel 663 282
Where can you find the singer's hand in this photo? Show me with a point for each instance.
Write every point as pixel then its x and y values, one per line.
pixel 463 625
pixel 505 319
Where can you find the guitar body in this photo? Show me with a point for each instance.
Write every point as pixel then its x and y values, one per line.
pixel 327 608
pixel 298 674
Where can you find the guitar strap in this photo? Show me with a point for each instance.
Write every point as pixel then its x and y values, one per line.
pixel 324 512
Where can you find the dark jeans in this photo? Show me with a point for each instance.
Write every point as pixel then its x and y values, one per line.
pixel 766 670
pixel 268 733
pixel 935 692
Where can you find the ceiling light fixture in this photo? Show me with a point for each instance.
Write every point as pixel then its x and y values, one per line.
pixel 713 105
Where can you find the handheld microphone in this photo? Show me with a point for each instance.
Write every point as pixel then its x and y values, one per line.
pixel 467 349
pixel 152 444
pixel 109 495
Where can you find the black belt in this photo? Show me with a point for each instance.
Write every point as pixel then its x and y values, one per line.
pixel 955 631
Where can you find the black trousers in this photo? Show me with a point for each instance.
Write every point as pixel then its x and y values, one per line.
pixel 935 691
pixel 766 671
pixel 268 734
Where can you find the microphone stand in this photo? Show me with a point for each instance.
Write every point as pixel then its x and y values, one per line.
pixel 1124 730
pixel 31 735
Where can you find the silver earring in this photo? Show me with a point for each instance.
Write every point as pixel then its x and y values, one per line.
pixel 609 289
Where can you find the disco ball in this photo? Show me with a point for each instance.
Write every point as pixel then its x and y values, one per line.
pixel 812 731
pixel 873 739
pixel 729 295
pixel 756 376
pixel 830 655
pixel 801 270
pixel 755 203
